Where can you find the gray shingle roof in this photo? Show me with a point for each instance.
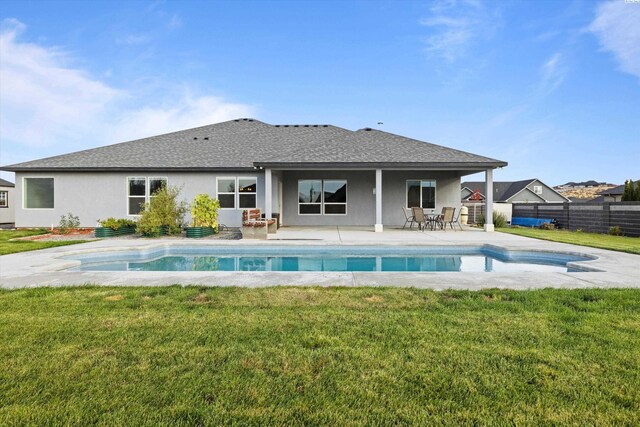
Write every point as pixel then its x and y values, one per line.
pixel 246 143
pixel 5 183
pixel 502 189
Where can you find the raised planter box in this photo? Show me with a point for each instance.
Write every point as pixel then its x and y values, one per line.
pixel 163 231
pixel 103 232
pixel 199 232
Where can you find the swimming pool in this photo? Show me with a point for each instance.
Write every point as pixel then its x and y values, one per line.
pixel 484 258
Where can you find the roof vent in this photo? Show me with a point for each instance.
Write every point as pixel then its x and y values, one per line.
pixel 206 137
pixel 277 126
pixel 315 126
pixel 286 126
pixel 249 120
pixel 295 126
pixel 195 137
pixel 325 126
pixel 306 126
pixel 367 129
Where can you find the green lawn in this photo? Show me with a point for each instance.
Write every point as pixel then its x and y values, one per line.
pixel 7 247
pixel 602 241
pixel 330 356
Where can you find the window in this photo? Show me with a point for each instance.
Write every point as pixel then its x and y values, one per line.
pixel 317 197
pixel 335 197
pixel 421 193
pixel 310 197
pixel 237 191
pixel 247 192
pixel 38 193
pixel 4 199
pixel 226 189
pixel 140 190
pixel 537 189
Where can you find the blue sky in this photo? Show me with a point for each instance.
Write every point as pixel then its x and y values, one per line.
pixel 552 87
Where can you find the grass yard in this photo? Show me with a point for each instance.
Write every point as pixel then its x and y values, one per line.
pixel 603 241
pixel 11 247
pixel 330 356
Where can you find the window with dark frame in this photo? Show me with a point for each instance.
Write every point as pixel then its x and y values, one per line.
pixel 4 199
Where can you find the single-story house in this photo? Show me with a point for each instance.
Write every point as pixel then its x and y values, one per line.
pixel 304 174
pixel 525 191
pixel 7 201
pixel 611 195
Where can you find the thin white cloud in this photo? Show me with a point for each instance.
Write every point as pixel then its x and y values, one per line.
pixel 617 27
pixel 49 105
pixel 552 74
pixel 456 24
pixel 134 39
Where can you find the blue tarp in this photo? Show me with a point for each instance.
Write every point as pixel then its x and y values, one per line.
pixel 530 222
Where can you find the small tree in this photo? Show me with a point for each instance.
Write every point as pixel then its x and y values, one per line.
pixel 636 192
pixel 204 211
pixel 164 210
pixel 628 192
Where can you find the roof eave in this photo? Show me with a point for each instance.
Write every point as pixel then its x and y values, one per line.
pixel 126 169
pixel 384 165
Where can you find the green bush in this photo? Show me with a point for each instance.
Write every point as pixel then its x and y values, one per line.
pixel 615 231
pixel 116 224
pixel 163 211
pixel 204 211
pixel 499 220
pixel 68 222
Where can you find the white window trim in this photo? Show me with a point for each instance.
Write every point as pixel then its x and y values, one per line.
pixel 147 189
pixel 6 199
pixel 319 203
pixel 24 194
pixel 322 202
pixel 537 189
pixel 346 204
pixel 238 178
pixel 235 193
pixel 406 193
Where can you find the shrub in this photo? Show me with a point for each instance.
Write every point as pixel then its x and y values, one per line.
pixel 163 211
pixel 68 222
pixel 499 220
pixel 204 211
pixel 116 224
pixel 547 226
pixel 615 231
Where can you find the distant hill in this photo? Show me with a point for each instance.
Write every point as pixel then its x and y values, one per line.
pixel 590 183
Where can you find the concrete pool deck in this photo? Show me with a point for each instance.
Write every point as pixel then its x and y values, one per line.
pixel 45 268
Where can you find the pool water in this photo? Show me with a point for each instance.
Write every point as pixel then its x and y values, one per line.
pixel 330 259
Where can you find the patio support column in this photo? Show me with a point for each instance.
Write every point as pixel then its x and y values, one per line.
pixel 268 198
pixel 378 227
pixel 488 211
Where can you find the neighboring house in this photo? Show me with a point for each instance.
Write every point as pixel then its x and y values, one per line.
pixel 7 202
pixel 611 195
pixel 525 191
pixel 307 174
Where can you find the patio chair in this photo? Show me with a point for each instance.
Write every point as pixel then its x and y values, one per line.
pixel 419 218
pixel 447 218
pixel 457 220
pixel 408 219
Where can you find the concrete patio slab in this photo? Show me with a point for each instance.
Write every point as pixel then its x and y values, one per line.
pixel 46 268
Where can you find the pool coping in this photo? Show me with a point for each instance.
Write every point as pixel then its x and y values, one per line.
pixel 42 268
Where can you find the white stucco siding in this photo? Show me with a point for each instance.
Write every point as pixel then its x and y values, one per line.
pixel 93 196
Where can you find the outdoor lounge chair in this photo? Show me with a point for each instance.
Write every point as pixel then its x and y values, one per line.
pixel 408 219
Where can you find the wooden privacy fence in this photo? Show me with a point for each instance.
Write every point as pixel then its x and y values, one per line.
pixel 589 216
